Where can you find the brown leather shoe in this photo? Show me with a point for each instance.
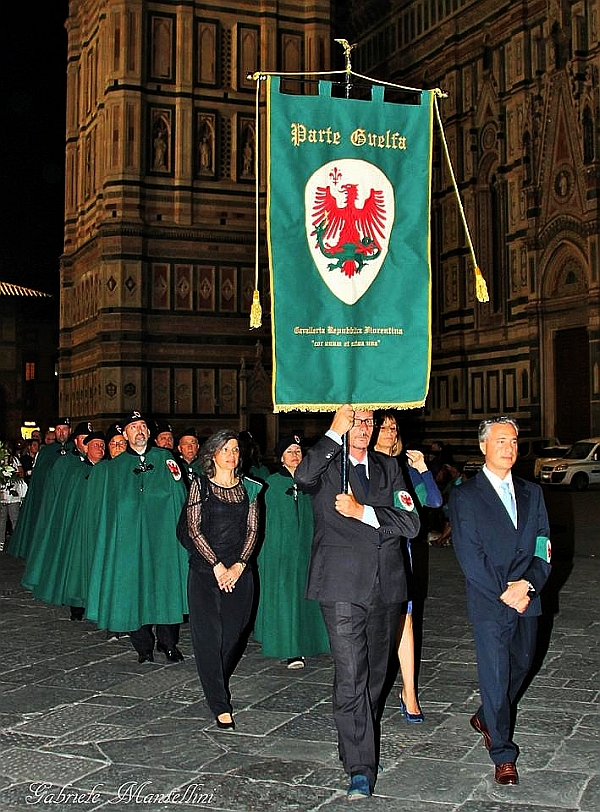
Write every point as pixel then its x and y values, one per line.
pixel 478 725
pixel 506 773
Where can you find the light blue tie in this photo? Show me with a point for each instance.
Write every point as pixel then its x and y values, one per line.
pixel 508 501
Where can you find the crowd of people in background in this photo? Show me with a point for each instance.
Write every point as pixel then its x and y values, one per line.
pixel 139 527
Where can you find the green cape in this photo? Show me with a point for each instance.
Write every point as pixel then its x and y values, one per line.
pixel 139 569
pixel 59 559
pixel 287 624
pixel 31 509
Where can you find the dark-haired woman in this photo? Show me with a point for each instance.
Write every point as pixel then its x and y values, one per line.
pixel 389 442
pixel 222 523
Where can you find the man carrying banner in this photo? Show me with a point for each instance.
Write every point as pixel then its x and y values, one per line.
pixel 357 575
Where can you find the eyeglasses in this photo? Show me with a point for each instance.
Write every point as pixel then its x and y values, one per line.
pixel 364 421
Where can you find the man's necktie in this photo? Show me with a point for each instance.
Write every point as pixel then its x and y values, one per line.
pixel 509 501
pixel 361 472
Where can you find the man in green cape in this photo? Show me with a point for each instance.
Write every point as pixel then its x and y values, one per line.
pixel 59 560
pixel 21 539
pixel 139 570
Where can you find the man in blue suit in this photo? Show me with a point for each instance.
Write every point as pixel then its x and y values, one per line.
pixel 500 534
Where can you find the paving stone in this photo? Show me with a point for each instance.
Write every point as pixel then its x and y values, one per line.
pixel 23 764
pixel 97 732
pixel 577 754
pixel 590 799
pixel 152 728
pixel 549 788
pixel 420 779
pixel 14 738
pixel 62 720
pixel 36 698
pixel 160 679
pixel 30 674
pixel 296 698
pixel 142 713
pixel 259 723
pixel 171 751
pixel 127 781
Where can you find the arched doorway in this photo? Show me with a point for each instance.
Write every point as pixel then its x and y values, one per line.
pixel 565 345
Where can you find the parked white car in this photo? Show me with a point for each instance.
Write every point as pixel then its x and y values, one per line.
pixel 579 467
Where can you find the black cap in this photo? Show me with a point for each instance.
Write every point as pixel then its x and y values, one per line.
pixel 162 426
pixel 114 430
pixel 94 435
pixel 63 421
pixel 285 442
pixel 82 428
pixel 132 417
pixel 189 432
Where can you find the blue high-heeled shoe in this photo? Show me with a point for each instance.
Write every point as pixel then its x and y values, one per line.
pixel 413 718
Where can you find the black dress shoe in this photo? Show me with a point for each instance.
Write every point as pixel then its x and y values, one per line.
pixel 225 725
pixel 172 655
pixel 146 658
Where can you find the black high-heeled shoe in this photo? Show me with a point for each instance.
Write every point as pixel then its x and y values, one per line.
pixel 225 725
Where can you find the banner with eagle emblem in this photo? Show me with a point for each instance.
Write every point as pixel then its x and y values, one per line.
pixel 348 233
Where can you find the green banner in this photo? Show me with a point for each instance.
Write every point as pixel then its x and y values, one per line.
pixel 348 232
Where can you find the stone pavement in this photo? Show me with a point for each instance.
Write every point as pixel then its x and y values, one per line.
pixel 85 727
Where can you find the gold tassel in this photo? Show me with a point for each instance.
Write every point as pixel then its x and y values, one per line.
pixel 255 311
pixel 481 291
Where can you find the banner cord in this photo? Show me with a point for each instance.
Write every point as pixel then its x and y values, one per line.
pixel 481 291
pixel 255 308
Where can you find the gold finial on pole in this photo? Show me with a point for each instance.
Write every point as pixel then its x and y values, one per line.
pixel 347 50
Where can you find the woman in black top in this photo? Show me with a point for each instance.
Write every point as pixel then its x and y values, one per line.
pixel 222 523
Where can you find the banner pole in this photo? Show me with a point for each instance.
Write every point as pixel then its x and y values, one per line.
pixel 344 465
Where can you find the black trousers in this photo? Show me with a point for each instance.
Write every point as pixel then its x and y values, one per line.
pixel 505 650
pixel 143 639
pixel 363 644
pixel 218 621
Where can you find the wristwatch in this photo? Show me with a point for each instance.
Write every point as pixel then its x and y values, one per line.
pixel 530 589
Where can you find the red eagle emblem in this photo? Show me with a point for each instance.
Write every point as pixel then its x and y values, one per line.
pixel 349 234
pixel 406 500
pixel 174 469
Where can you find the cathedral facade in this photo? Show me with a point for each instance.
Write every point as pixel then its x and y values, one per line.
pixel 158 270
pixel 520 119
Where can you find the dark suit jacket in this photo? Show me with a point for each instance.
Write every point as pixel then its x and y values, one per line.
pixel 491 551
pixel 347 554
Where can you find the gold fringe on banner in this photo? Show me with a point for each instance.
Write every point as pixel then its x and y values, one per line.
pixel 481 291
pixel 256 311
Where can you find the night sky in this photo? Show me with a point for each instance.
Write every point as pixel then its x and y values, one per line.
pixel 34 47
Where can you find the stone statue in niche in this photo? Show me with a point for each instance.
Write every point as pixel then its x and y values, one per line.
pixel 160 146
pixel 205 147
pixel 248 152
